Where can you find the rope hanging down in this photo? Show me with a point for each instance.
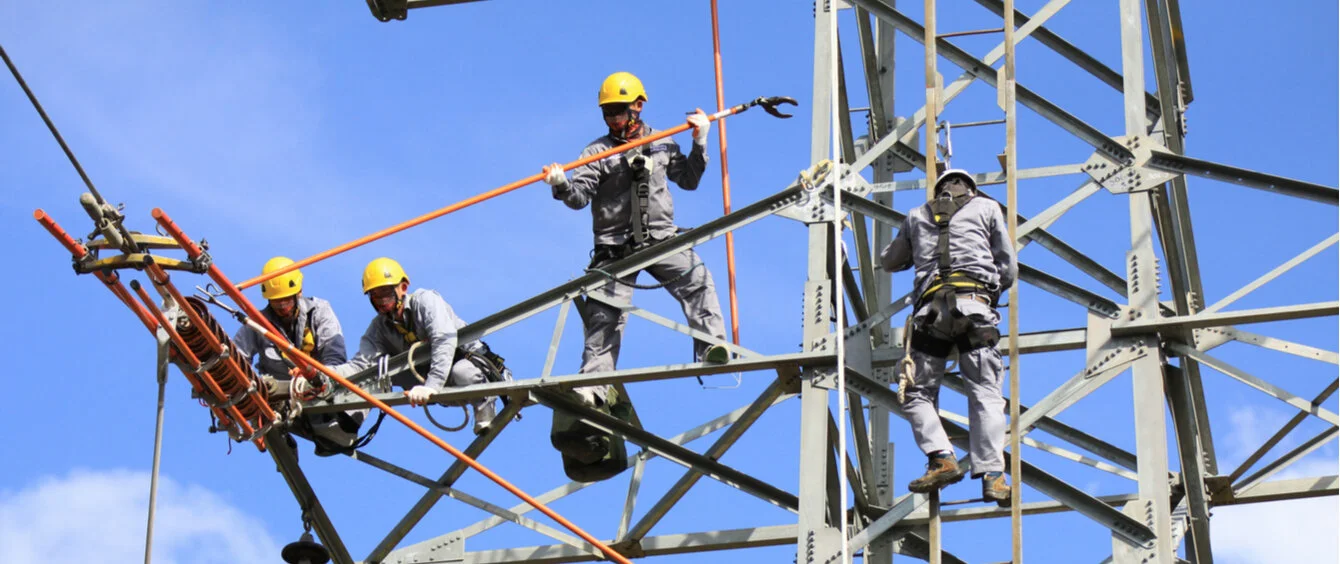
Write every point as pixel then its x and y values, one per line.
pixel 725 179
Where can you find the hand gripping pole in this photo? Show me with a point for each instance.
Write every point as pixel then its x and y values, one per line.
pixel 769 104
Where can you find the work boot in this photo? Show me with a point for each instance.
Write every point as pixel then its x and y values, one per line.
pixel 484 414
pixel 995 489
pixel 716 354
pixel 941 471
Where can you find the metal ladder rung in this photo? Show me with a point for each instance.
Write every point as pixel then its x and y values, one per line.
pixel 970 32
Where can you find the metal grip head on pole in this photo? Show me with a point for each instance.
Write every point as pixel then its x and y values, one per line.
pixel 770 103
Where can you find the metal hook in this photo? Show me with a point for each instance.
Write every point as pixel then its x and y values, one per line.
pixel 770 103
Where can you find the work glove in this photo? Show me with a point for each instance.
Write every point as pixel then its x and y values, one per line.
pixel 701 125
pixel 554 175
pixel 302 388
pixel 418 395
pixel 302 371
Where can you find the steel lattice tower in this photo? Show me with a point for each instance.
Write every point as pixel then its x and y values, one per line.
pixel 1159 328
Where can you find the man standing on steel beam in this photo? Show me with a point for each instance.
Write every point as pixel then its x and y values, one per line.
pixel 964 260
pixel 407 319
pixel 310 324
pixel 631 209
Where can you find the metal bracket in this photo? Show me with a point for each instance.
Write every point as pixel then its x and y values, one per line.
pixel 141 241
pixel 449 549
pixel 810 208
pixel 1124 178
pixel 1118 351
pixel 1207 338
pixel 202 262
pixel 825 377
pixel 135 261
pixel 1143 278
pixel 896 159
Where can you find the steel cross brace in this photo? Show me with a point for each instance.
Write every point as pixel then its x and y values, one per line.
pixel 286 462
pixel 1134 531
pixel 1033 276
pixel 453 473
pixel 592 281
pixel 468 499
pixel 631 375
pixel 985 73
pixel 560 492
pixel 670 450
pixel 786 379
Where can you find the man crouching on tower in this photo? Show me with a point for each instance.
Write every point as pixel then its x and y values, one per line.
pixel 964 260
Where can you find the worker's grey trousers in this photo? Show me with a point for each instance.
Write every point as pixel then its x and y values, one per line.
pixel 696 293
pixel 983 373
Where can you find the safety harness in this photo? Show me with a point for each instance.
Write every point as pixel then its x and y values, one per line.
pixel 948 286
pixel 488 362
pixel 308 342
pixel 640 163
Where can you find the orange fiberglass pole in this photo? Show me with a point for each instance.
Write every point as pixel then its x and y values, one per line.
pixel 294 352
pixel 200 381
pixel 768 104
pixel 110 278
pixel 152 317
pixel 160 277
pixel 194 252
pixel 725 180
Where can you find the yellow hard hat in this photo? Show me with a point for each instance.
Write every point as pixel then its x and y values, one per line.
pixel 382 272
pixel 621 88
pixel 281 286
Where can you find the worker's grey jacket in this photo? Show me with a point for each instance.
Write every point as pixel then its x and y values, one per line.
pixel 607 185
pixel 314 314
pixel 431 320
pixel 978 245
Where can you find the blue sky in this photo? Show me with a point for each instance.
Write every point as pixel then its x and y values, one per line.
pixel 279 129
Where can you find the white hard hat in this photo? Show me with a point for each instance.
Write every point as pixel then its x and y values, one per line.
pixel 952 173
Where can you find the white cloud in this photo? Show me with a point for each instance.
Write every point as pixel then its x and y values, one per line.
pixel 90 516
pixel 1281 531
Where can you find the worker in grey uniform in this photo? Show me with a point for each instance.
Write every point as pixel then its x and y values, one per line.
pixel 405 318
pixel 310 324
pixel 631 209
pixel 964 260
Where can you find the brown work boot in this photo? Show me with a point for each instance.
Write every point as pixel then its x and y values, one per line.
pixel 941 471
pixel 994 488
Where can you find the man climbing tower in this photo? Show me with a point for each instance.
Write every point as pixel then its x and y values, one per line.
pixel 964 260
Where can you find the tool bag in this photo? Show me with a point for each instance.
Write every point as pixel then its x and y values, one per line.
pixel 591 455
